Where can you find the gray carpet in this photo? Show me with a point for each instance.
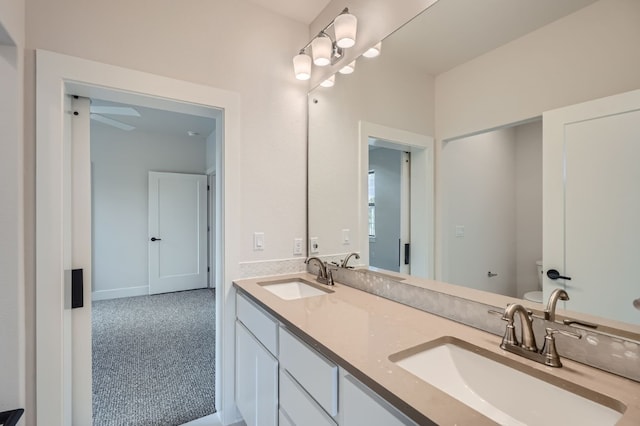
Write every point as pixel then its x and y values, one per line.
pixel 153 359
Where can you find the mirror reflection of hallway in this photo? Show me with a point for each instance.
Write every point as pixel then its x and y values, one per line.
pixel 389 207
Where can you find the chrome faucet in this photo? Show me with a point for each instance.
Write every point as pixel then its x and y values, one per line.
pixel 324 273
pixel 346 260
pixel 550 311
pixel 548 355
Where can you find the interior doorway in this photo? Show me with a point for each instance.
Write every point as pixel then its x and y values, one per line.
pixel 153 311
pixel 62 334
pixel 389 208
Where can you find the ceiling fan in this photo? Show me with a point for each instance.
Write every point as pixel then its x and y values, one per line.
pixel 98 112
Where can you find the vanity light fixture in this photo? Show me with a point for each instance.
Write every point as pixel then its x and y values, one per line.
pixel 324 50
pixel 345 26
pixel 302 66
pixel 373 51
pixel 329 82
pixel 348 69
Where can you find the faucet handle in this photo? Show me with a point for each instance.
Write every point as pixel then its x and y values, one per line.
pixel 549 351
pixel 551 331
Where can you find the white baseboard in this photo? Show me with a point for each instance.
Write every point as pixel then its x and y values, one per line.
pixel 120 292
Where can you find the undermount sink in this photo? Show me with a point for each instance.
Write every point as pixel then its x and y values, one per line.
pixel 292 289
pixel 507 392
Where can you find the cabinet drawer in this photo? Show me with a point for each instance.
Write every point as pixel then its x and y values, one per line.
pixel 315 373
pixel 261 324
pixel 298 407
pixel 361 406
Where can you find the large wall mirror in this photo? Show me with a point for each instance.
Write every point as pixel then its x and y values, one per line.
pixel 428 159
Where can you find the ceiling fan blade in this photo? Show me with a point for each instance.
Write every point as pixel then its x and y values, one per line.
pixel 114 110
pixel 110 122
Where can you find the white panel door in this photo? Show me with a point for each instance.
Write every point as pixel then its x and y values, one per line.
pixel 177 232
pixel 591 206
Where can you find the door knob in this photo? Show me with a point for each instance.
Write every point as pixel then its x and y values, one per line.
pixel 156 239
pixel 553 274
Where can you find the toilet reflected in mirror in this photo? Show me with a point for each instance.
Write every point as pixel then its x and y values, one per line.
pixel 536 295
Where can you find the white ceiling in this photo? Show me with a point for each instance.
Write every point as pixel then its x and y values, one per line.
pixel 453 32
pixel 152 120
pixel 304 11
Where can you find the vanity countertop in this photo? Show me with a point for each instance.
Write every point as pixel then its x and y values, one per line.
pixel 359 331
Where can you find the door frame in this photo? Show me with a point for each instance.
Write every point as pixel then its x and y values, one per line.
pixel 60 75
pixel 421 148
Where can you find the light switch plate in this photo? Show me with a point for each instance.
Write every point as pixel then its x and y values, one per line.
pixel 346 240
pixel 297 246
pixel 459 231
pixel 258 240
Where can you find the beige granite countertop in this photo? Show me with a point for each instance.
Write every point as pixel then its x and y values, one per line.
pixel 360 331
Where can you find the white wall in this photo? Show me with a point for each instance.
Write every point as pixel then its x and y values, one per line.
pixel 528 138
pixel 12 289
pixel 492 185
pixel 12 23
pixel 121 162
pixel 334 149
pixel 478 180
pixel 383 250
pixel 589 54
pixel 208 43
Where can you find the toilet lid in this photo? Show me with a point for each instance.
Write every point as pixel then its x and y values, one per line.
pixel 533 296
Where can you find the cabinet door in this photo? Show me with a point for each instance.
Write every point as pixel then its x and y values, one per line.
pixel 256 380
pixel 591 204
pixel 361 406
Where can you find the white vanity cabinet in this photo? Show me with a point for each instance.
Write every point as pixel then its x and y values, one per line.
pixel 281 380
pixel 359 405
pixel 256 367
pixel 308 383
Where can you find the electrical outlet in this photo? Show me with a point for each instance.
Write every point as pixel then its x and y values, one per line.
pixel 459 231
pixel 297 246
pixel 314 248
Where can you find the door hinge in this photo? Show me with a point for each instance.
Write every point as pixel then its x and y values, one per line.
pixel 208 269
pixel 208 188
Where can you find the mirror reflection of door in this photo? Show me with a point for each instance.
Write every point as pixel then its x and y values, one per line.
pixel 389 208
pixel 592 205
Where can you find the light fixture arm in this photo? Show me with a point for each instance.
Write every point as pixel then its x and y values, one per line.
pixel 323 32
pixel 327 49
